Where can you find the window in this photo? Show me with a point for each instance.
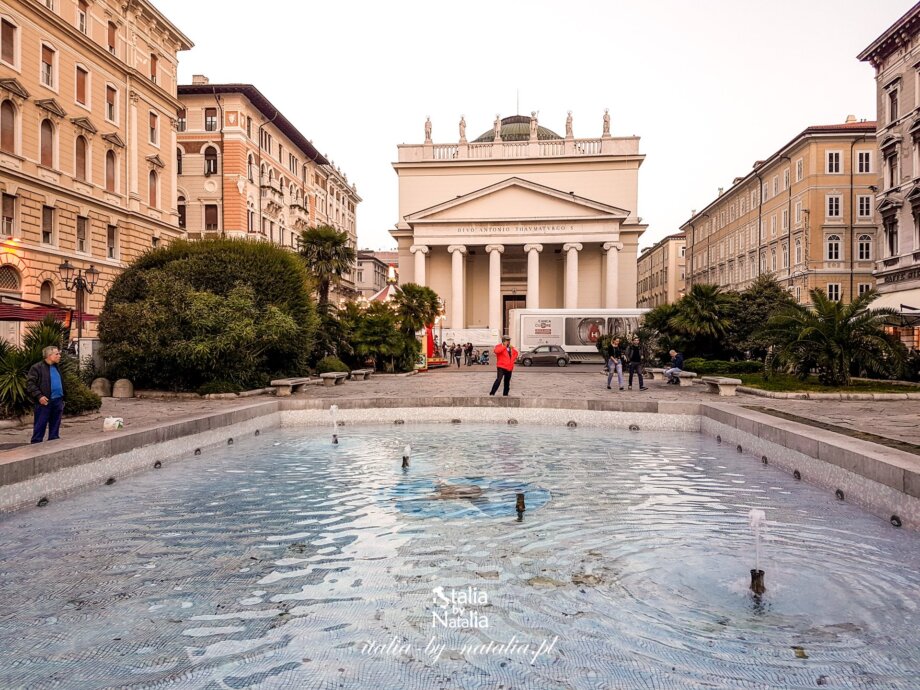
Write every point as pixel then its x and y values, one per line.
pixel 178 161
pixel 833 292
pixel 112 31
pixel 249 127
pixel 833 162
pixel 773 260
pixel 863 288
pixel 110 171
pixel 799 170
pixel 210 161
pixel 82 225
pixel 9 34
pixel 785 219
pixel 46 292
pixel 49 4
pixel 785 255
pixel 7 127
pixel 765 193
pixel 154 129
pixel 249 169
pixel 48 55
pixel 154 65
pixel 864 247
pixel 833 206
pixel 798 251
pixel 47 225
pixel 181 121
pixel 80 159
pixel 210 119
pixel 833 247
pixel 111 104
pixel 152 185
pixel 786 178
pixel 775 185
pixel 111 242
pixel 82 76
pixel 891 236
pixel 773 225
pixel 181 208
pixel 798 212
pixel 251 220
pixel 892 165
pixel 9 215
pixel 864 161
pixel 210 217
pixel 865 206
pixel 892 105
pixel 47 144
pixel 82 9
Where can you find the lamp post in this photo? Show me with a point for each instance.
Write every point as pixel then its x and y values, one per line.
pixel 81 282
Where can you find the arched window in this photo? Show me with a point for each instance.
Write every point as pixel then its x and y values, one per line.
pixel 250 217
pixel 293 193
pixel 47 144
pixel 47 292
pixel 178 161
pixel 785 255
pixel 262 174
pixel 181 208
pixel 110 171
pixel 798 251
pixel 864 246
pixel 773 260
pixel 249 167
pixel 152 189
pixel 210 161
pixel 9 279
pixel 833 247
pixel 8 127
pixel 81 159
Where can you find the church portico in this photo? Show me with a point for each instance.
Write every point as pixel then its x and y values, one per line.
pixel 523 239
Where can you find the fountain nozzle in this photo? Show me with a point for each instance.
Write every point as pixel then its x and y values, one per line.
pixel 757 585
pixel 757 519
pixel 520 507
pixel 335 439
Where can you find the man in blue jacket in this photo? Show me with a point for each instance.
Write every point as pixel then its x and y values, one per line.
pixel 677 365
pixel 45 386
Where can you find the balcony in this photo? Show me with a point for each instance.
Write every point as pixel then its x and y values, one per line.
pixel 272 199
pixel 552 148
pixel 300 216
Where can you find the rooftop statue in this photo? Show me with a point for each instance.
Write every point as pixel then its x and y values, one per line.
pixel 606 122
pixel 427 130
pixel 462 128
pixel 498 127
pixel 568 126
pixel 533 124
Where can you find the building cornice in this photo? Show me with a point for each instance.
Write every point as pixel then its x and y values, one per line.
pixel 896 35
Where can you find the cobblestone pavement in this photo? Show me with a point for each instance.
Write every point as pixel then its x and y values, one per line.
pixel 896 419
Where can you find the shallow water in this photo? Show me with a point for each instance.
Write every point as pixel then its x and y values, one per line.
pixel 287 562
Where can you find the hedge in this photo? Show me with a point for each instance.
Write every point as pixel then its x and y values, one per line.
pixel 708 367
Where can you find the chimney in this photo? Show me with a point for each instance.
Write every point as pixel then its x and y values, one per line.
pixel 721 191
pixel 851 118
pixel 199 80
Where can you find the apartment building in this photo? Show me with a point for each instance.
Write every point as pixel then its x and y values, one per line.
pixel 246 171
pixel 87 113
pixel 371 273
pixel 661 272
pixel 805 215
pixel 895 56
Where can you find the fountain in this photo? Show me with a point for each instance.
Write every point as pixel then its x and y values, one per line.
pixel 520 507
pixel 335 425
pixel 407 451
pixel 757 519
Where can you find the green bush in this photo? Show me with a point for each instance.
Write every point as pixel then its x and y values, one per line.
pixel 80 399
pixel 193 313
pixel 219 387
pixel 709 367
pixel 331 364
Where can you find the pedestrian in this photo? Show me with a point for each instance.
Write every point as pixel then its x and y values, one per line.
pixel 615 357
pixel 634 358
pixel 677 365
pixel 505 356
pixel 458 353
pixel 45 386
pixel 444 349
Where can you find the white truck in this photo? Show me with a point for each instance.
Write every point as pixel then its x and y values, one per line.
pixel 575 330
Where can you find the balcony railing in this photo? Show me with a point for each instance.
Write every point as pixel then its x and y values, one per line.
pixel 544 148
pixel 300 216
pixel 272 198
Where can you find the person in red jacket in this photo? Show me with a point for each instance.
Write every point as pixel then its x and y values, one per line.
pixel 505 356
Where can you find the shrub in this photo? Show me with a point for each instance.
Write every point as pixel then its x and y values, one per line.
pixel 709 367
pixel 331 364
pixel 219 387
pixel 194 313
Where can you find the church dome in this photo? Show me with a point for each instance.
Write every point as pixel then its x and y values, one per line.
pixel 517 128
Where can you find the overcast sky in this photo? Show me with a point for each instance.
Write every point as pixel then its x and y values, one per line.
pixel 710 86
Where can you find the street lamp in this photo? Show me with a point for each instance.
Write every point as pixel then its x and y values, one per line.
pixel 83 282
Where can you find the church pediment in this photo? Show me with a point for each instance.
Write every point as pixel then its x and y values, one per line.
pixel 114 139
pixel 14 87
pixel 51 106
pixel 84 124
pixel 516 198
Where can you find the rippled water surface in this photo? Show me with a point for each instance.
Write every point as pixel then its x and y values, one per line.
pixel 287 562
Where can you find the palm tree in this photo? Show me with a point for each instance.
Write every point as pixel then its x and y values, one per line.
pixel 703 315
pixel 834 337
pixel 328 257
pixel 417 306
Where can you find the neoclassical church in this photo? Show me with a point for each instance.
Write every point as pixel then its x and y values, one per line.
pixel 519 217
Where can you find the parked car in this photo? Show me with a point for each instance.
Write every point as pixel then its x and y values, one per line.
pixel 545 354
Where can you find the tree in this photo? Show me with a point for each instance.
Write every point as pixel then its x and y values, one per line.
pixel 834 337
pixel 327 256
pixel 702 317
pixel 376 334
pixel 751 312
pixel 416 306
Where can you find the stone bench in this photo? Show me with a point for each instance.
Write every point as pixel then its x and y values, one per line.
pixel 685 378
pixel 333 378
pixel 721 385
pixel 360 374
pixel 284 387
pixel 650 373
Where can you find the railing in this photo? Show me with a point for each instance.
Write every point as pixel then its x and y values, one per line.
pixel 445 151
pixel 555 147
pixel 547 148
pixel 480 150
pixel 588 147
pixel 515 149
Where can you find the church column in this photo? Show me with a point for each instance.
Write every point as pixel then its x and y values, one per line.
pixel 495 286
pixel 613 274
pixel 571 274
pixel 533 274
pixel 420 250
pixel 457 286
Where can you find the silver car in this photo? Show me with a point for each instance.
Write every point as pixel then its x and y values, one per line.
pixel 545 354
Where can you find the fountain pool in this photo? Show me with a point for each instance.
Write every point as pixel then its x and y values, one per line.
pixel 285 561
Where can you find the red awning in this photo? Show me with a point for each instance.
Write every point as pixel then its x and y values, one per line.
pixel 13 312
